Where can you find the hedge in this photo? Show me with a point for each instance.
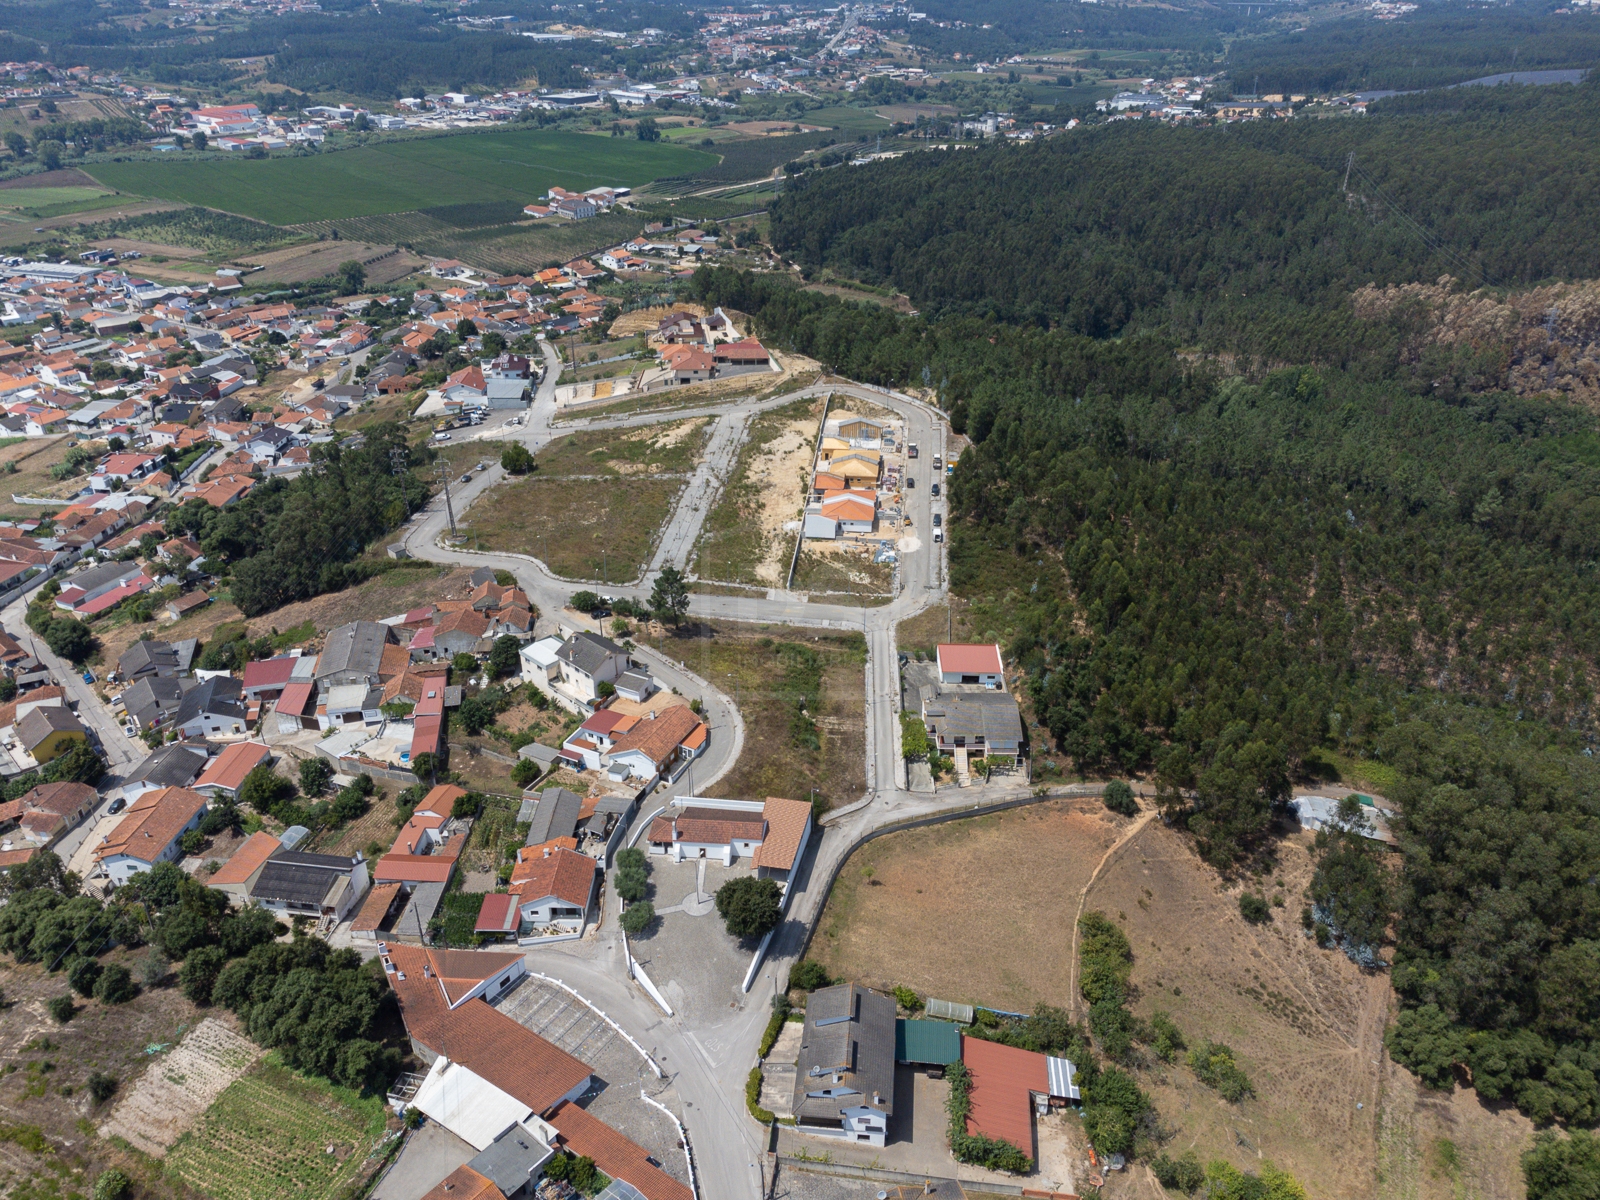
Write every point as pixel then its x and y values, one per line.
pixel 977 1149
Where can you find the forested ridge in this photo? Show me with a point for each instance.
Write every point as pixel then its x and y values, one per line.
pixel 1241 237
pixel 1216 567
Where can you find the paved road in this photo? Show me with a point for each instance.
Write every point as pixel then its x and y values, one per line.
pixel 710 1060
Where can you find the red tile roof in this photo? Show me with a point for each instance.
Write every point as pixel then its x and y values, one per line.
pixel 616 1155
pixel 228 769
pixel 374 908
pixel 497 913
pixel 414 868
pixel 659 739
pixel 271 672
pixel 1002 1078
pixel 564 874
pixel 464 1184
pixel 152 823
pixel 295 698
pixel 487 1042
pixel 786 825
pixel 258 847
pixel 969 659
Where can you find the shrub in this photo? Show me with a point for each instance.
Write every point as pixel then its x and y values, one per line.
pixel 632 884
pixel 749 906
pixel 200 971
pixel 1113 1106
pixel 775 1023
pixel 1165 1039
pixel 1105 959
pixel 907 999
pixel 524 772
pixel 1425 1041
pixel 316 773
pixel 636 918
pixel 115 985
pixel 112 1185
pixel 1213 1065
pixel 1119 799
pixel 1183 1174
pixel 808 975
pixel 84 975
pixel 61 1009
pixel 516 459
pixel 752 1097
pixel 1254 909
pixel 631 856
pixel 585 601
pixel 102 1087
pixel 1112 1026
pixel 153 969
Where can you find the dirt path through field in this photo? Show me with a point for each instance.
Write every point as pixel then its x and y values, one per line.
pixel 1132 832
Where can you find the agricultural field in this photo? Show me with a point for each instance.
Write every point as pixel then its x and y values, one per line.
pixel 179 1086
pixel 405 175
pixel 799 692
pixel 1306 1025
pixel 594 507
pixel 746 538
pixel 849 120
pixel 269 1136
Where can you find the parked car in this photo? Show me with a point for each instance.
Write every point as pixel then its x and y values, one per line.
pixel 117 805
pixel 938 535
pixel 933 491
pixel 911 482
pixel 441 437
pixel 938 520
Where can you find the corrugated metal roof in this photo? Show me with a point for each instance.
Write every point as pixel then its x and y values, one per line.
pixel 1063 1078
pixel 926 1042
pixel 950 1011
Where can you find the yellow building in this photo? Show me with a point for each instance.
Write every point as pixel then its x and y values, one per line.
pixel 48 732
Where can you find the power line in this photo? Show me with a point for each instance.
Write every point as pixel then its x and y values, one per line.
pixel 1430 239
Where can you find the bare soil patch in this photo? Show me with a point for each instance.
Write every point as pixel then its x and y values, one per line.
pixel 910 112
pixel 124 245
pixel 70 177
pixel 33 460
pixel 295 264
pixel 645 320
pixel 749 535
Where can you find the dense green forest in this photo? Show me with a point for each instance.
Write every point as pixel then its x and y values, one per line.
pixel 1018 26
pixel 1437 45
pixel 349 48
pixel 293 539
pixel 1211 576
pixel 1241 237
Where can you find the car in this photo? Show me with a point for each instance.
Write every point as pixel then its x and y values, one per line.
pixel 600 614
pixel 467 478
pixel 934 491
pixel 938 535
pixel 938 462
pixel 441 437
pixel 117 805
pixel 938 520
pixel 911 482
pixel 88 676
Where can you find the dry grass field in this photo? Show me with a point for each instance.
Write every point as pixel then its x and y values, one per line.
pixel 594 508
pixel 26 465
pixel 1306 1024
pixel 744 661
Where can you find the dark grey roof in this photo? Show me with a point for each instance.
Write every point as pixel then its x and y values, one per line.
pixel 587 652
pixel 356 647
pixel 153 696
pixel 220 696
pixel 509 1161
pixel 176 765
pixel 992 716
pixel 543 755
pixel 39 723
pixel 346 391
pixel 481 576
pixel 636 681
pixel 148 655
pixel 555 816
pixel 846 1048
pixel 185 651
pixel 105 573
pixel 273 436
pixel 296 878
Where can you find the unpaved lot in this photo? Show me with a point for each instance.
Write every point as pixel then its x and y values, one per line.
pixel 645 320
pixel 749 535
pixel 179 1086
pixel 984 910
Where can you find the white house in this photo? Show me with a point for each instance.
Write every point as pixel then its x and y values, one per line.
pixel 149 833
pixel 585 661
pixel 968 663
pixel 554 889
pixel 771 833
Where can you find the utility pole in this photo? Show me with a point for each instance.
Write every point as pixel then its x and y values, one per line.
pixel 397 464
pixel 449 508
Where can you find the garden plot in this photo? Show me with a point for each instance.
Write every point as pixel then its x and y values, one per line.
pixel 171 1096
pixel 273 1134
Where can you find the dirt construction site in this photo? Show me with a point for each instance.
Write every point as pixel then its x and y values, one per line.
pixel 926 909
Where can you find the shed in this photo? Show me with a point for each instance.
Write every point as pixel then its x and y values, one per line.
pixel 950 1011
pixel 926 1043
pixel 555 816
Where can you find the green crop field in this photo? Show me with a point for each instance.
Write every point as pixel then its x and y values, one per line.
pixel 402 176
pixel 268 1134
pixel 850 120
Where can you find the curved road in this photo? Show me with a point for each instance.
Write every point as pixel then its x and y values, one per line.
pixel 709 1062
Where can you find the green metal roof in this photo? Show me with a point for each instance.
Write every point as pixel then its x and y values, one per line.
pixel 926 1042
